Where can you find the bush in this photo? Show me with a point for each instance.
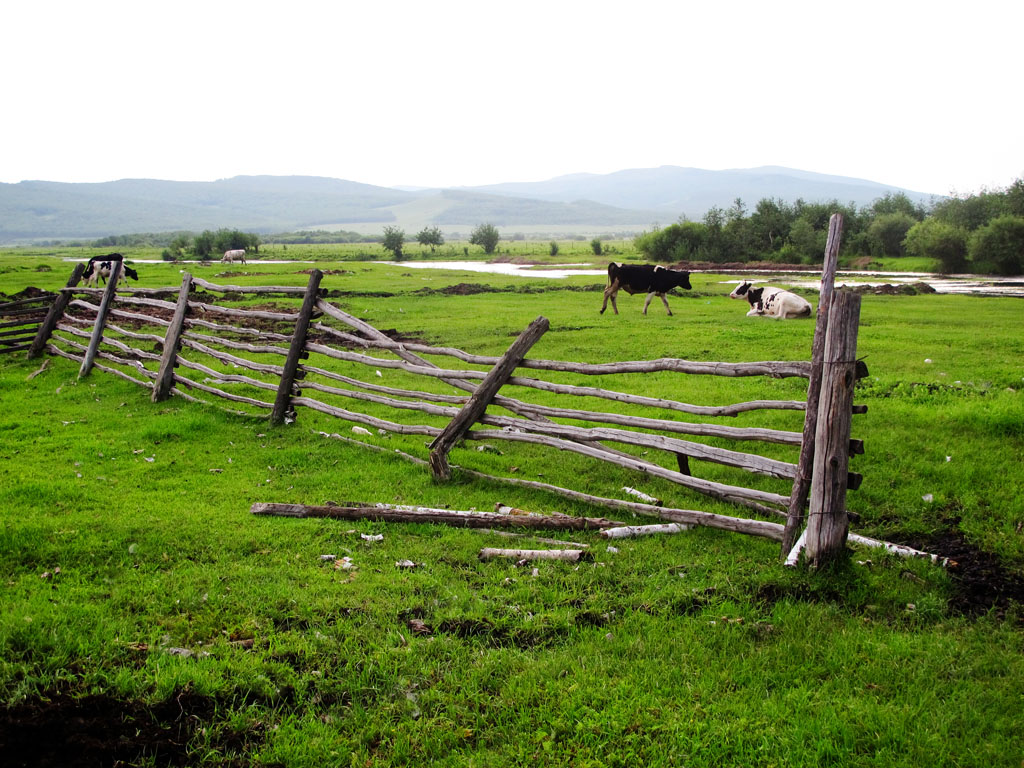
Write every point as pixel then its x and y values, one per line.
pixel 998 247
pixel 486 236
pixel 595 246
pixel 553 248
pixel 934 239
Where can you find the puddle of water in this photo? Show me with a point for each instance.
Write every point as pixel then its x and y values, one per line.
pixel 957 284
pixel 516 270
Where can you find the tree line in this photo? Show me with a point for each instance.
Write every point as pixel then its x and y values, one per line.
pixel 981 232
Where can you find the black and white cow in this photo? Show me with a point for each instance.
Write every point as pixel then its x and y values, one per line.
pixel 100 268
pixel 767 301
pixel 654 280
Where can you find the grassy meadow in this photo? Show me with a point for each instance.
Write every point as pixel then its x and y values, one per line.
pixel 149 619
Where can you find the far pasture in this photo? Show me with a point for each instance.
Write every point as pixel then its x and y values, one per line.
pixel 697 648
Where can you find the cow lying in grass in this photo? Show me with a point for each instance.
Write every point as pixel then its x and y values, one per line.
pixel 100 268
pixel 643 278
pixel 772 302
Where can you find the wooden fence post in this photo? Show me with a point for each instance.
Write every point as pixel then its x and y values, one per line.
pixel 297 350
pixel 172 339
pixel 827 523
pixel 805 464
pixel 101 319
pixel 477 404
pixel 60 303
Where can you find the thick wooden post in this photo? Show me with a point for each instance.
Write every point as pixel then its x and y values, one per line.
pixel 296 351
pixel 101 319
pixel 827 523
pixel 172 339
pixel 60 303
pixel 805 464
pixel 474 409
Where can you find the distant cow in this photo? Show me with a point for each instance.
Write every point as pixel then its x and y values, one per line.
pixel 767 301
pixel 643 278
pixel 230 256
pixel 100 268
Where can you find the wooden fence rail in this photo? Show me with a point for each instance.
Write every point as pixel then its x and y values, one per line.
pixel 236 347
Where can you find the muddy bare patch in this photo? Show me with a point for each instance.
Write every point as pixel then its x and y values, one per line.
pixel 981 583
pixel 61 730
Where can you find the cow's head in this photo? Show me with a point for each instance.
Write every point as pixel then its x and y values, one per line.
pixel 683 279
pixel 740 291
pixel 129 272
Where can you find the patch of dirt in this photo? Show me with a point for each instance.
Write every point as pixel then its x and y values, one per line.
pixel 328 271
pixel 29 293
pixel 904 289
pixel 981 582
pixel 61 731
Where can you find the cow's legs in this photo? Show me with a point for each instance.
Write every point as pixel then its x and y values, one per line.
pixel 647 302
pixel 609 293
pixel 665 302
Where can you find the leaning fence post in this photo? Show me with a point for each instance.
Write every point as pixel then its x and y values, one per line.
pixel 805 464
pixel 60 303
pixel 827 522
pixel 297 350
pixel 473 410
pixel 172 339
pixel 101 319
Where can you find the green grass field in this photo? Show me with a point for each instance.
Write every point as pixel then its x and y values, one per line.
pixel 148 618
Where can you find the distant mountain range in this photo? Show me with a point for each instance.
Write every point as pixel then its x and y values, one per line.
pixel 625 201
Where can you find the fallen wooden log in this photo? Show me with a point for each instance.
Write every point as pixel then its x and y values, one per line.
pixel 633 531
pixel 570 555
pixel 459 519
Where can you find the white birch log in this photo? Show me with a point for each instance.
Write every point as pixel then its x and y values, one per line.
pixel 568 555
pixel 633 531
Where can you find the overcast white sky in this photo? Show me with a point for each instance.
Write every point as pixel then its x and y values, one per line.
pixel 922 95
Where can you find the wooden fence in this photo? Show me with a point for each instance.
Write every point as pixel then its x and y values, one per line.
pixel 317 356
pixel 20 320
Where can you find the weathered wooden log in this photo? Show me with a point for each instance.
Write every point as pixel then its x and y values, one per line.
pixel 101 318
pixel 199 306
pixel 633 531
pixel 827 522
pixel 133 335
pixel 566 555
pixel 36 321
pixel 224 357
pixel 410 393
pixel 195 322
pixel 226 377
pixel 128 350
pixel 369 421
pixel 19 337
pixel 805 464
pixel 759 528
pixel 262 349
pixel 735 494
pixel 456 518
pixel 56 311
pixel 282 403
pixel 143 302
pixel 179 379
pixel 290 289
pixel 46 298
pixel 17 348
pixel 477 404
pixel 776 369
pixel 28 315
pixel 147 319
pixel 457 380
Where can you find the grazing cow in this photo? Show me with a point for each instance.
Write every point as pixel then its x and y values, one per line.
pixel 767 301
pixel 100 268
pixel 643 278
pixel 230 256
